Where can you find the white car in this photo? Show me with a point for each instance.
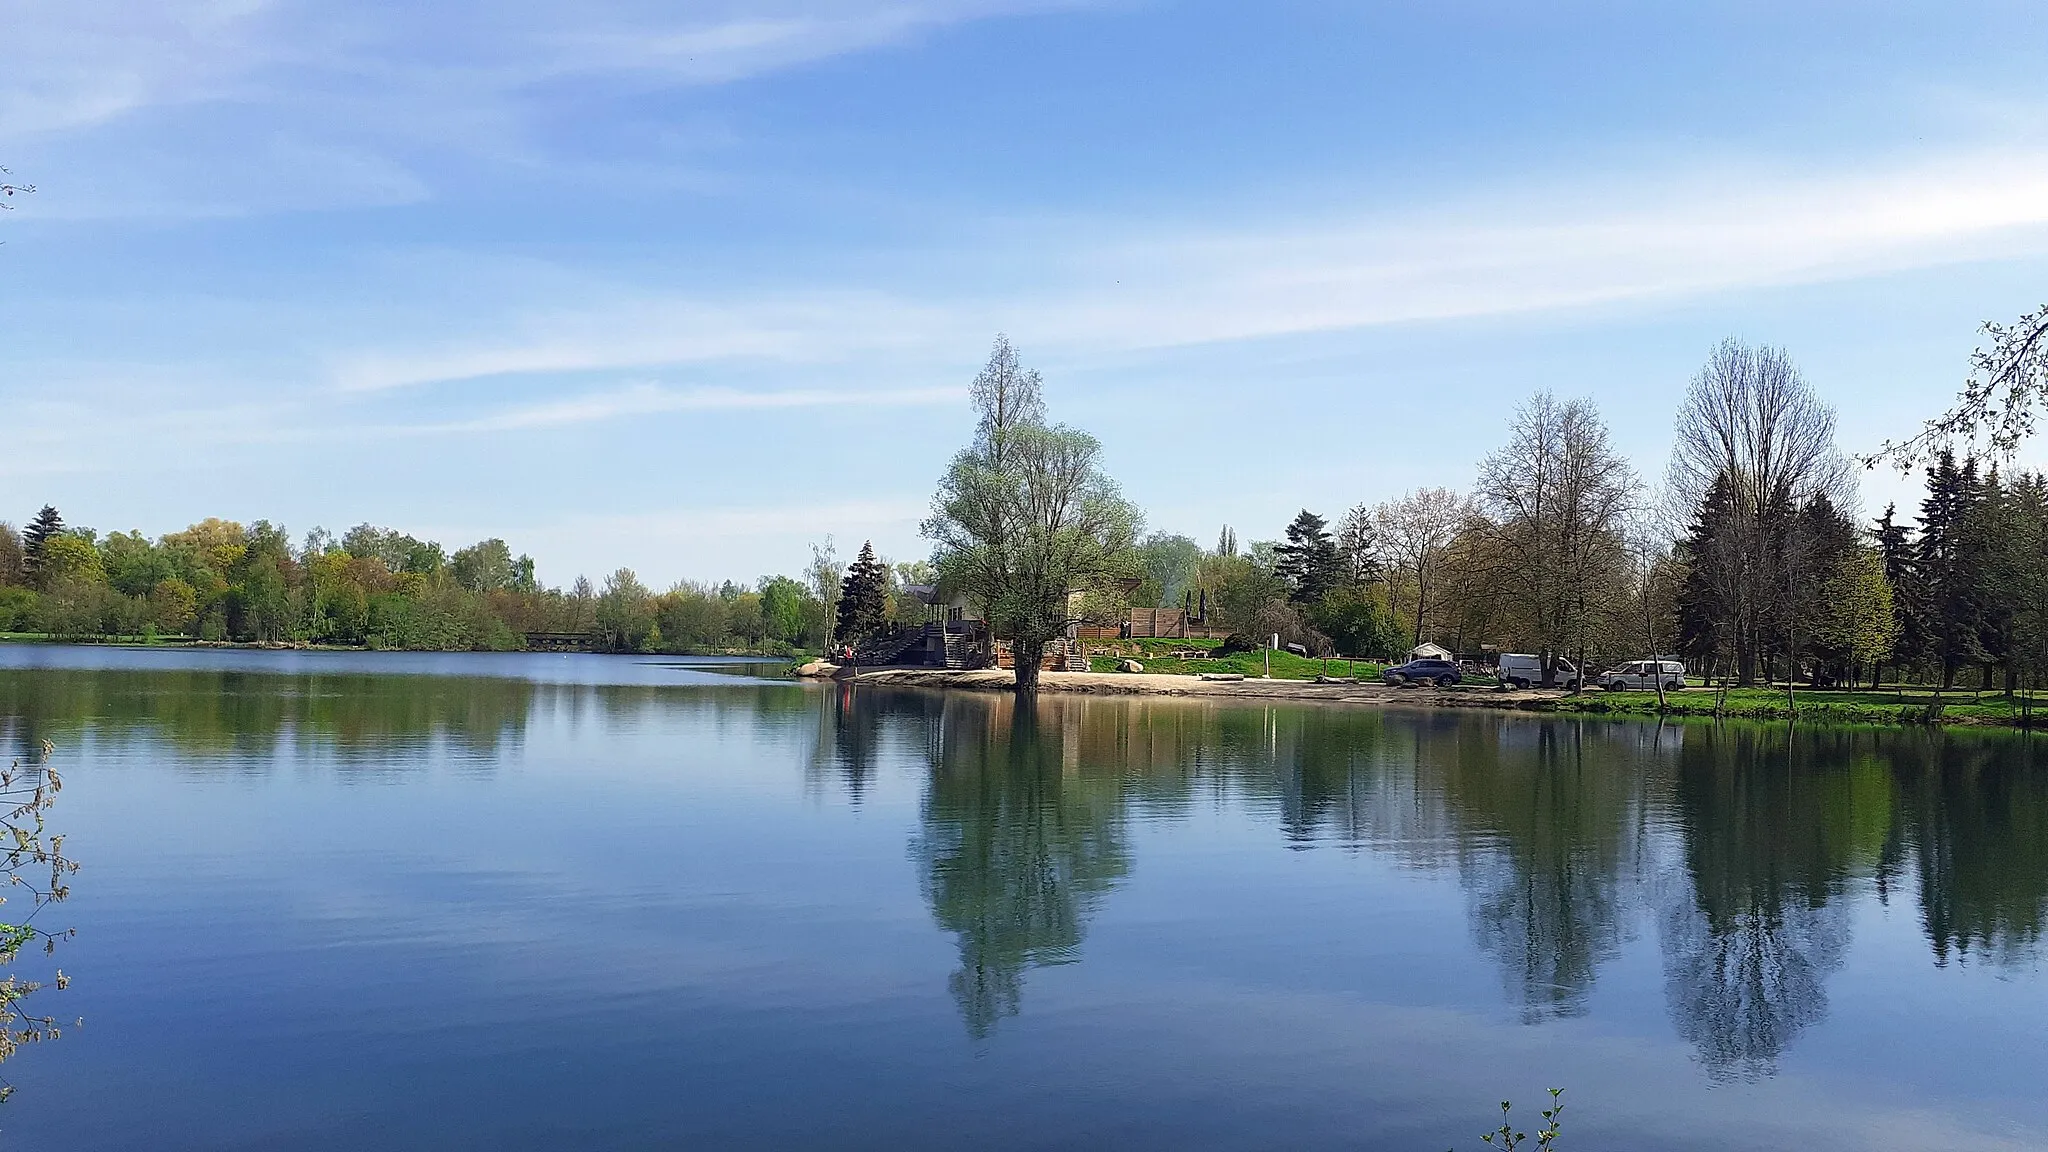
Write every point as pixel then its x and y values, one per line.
pixel 1519 670
pixel 1645 674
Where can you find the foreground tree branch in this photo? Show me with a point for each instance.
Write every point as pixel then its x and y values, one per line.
pixel 31 859
pixel 1998 405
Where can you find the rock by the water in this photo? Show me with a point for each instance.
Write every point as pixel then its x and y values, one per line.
pixel 1129 666
pixel 817 668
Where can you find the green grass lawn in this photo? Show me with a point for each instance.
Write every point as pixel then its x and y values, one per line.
pixel 1286 665
pixel 1913 705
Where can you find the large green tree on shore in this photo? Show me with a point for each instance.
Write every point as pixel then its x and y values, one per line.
pixel 1027 523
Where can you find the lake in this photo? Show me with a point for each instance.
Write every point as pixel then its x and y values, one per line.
pixel 341 901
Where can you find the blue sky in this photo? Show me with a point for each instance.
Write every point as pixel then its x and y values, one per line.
pixel 686 286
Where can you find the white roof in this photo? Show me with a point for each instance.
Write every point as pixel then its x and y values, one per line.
pixel 1428 651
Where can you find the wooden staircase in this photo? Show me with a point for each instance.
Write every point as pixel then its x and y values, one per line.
pixel 1077 657
pixel 930 645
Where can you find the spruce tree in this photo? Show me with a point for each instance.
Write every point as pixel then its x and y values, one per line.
pixel 47 525
pixel 1895 549
pixel 863 597
pixel 1358 541
pixel 1705 620
pixel 2027 579
pixel 1989 532
pixel 1949 558
pixel 1823 540
pixel 1309 561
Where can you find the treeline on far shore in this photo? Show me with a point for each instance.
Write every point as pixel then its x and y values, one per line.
pixel 374 587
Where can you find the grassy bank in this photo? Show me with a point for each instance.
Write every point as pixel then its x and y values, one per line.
pixel 1888 706
pixel 1175 658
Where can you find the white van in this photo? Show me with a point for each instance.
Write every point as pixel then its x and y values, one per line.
pixel 1644 674
pixel 1519 670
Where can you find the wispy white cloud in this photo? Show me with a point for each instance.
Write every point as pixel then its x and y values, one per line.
pixel 74 65
pixel 653 399
pixel 199 108
pixel 750 39
pixel 1111 286
pixel 69 66
pixel 1636 237
pixel 799 327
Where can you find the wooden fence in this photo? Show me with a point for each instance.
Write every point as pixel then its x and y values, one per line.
pixel 1169 624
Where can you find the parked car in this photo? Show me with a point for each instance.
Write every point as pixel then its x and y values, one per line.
pixel 1644 674
pixel 1442 673
pixel 1519 670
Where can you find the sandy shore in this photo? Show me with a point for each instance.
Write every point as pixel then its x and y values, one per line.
pixel 1151 684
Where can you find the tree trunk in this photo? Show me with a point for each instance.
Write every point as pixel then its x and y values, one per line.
pixel 1027 655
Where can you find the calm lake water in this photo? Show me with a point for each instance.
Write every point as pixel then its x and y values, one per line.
pixel 568 902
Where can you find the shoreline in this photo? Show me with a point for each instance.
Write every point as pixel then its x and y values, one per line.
pixel 1553 701
pixel 1370 693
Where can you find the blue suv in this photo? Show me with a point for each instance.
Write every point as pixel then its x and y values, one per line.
pixel 1441 673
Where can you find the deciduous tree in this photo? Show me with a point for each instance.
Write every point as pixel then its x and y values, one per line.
pixel 1753 428
pixel 1999 402
pixel 1416 531
pixel 1554 504
pixel 1026 522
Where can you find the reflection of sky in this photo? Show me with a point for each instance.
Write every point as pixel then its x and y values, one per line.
pixel 663 921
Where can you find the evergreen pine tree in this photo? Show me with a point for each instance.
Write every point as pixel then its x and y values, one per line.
pixel 1703 611
pixel 1895 549
pixel 1823 539
pixel 40 531
pixel 1948 556
pixel 2027 548
pixel 1309 561
pixel 1358 541
pixel 863 597
pixel 1989 534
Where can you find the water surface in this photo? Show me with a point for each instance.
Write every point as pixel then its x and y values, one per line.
pixel 524 902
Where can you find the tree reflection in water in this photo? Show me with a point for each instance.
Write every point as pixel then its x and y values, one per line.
pixel 1973 821
pixel 1746 842
pixel 1019 839
pixel 849 739
pixel 1775 825
pixel 1550 851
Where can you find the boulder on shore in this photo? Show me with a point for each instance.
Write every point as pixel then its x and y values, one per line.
pixel 817 669
pixel 1129 666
